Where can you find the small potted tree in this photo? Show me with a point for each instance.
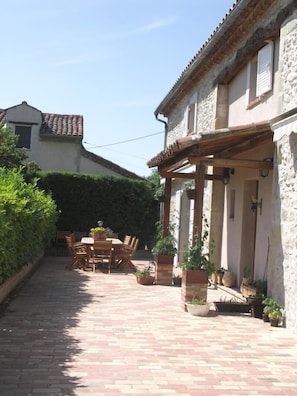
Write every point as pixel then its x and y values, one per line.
pixel 196 268
pixel 164 252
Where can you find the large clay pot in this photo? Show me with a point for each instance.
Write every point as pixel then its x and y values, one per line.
pixel 228 278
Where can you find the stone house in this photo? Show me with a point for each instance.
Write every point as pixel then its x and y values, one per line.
pixel 231 127
pixel 54 142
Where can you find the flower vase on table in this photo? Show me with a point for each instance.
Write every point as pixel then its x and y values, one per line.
pixel 99 233
pixel 99 237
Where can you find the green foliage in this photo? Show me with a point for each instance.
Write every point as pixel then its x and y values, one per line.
pixel 126 206
pixel 9 156
pixel 272 308
pixel 142 274
pixel 27 217
pixel 164 245
pixel 157 187
pixel 198 301
pixel 197 255
pixel 246 272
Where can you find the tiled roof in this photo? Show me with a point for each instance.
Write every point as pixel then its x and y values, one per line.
pixel 62 125
pixel 223 41
pixel 57 124
pixel 110 165
pixel 212 143
pixel 2 116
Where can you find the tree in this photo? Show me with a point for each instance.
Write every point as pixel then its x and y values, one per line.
pixel 10 157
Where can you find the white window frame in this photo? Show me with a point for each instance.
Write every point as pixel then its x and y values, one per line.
pixel 264 69
pixel 191 115
pixel 260 74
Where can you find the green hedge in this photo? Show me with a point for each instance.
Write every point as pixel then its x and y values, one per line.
pixel 127 206
pixel 28 219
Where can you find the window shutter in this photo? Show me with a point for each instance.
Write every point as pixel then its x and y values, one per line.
pixel 264 69
pixel 191 117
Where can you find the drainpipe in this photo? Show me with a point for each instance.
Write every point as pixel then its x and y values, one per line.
pixel 166 127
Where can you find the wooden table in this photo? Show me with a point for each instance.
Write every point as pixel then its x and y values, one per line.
pixel 116 244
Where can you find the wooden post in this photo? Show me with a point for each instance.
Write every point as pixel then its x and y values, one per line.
pixel 166 207
pixel 198 203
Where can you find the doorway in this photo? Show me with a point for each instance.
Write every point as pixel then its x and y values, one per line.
pixel 249 226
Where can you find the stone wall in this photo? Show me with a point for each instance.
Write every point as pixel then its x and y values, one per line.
pixel 282 267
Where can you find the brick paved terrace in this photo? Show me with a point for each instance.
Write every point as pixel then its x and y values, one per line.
pixel 79 333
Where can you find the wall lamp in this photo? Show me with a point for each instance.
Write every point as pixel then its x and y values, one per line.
pixel 226 175
pixel 265 172
pixel 255 204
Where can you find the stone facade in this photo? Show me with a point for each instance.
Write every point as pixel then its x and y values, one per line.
pixel 276 220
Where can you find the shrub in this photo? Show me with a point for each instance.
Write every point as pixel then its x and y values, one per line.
pixel 27 217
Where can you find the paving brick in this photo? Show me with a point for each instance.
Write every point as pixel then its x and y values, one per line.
pixel 83 333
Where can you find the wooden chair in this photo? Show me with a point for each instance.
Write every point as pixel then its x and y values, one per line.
pixel 78 253
pixel 113 235
pixel 125 255
pixel 101 253
pixel 127 239
pixel 60 241
pixel 80 234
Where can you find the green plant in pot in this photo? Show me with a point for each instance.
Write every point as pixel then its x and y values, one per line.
pixel 165 245
pixel 144 277
pixel 246 280
pixel 196 267
pixel 273 311
pixel 198 306
pixel 197 255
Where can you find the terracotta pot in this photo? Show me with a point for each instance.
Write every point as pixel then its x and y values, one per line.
pixel 228 279
pixel 99 237
pixel 194 276
pixel 219 279
pixel 164 259
pixel 274 322
pixel 146 281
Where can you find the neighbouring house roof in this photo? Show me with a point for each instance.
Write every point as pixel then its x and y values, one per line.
pixel 2 116
pixel 110 165
pixel 62 125
pixel 71 126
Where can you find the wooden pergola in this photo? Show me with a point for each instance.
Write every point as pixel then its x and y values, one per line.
pixel 216 149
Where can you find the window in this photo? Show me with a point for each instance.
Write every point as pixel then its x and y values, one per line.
pixel 24 133
pixel 191 118
pixel 260 72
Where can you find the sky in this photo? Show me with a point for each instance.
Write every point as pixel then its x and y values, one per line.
pixel 111 61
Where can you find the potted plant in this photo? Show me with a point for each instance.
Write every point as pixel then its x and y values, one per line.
pixel 246 280
pixel 228 279
pixel 219 275
pixel 273 311
pixel 144 277
pixel 100 232
pixel 256 303
pixel 164 251
pixel 196 267
pixel 190 189
pixel 198 306
pixel 232 305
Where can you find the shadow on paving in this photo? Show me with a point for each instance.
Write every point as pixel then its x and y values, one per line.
pixel 35 347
